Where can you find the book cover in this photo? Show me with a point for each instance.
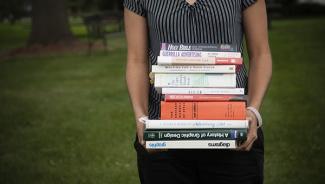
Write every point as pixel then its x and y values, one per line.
pixel 194 80
pixel 212 134
pixel 164 53
pixel 193 69
pixel 196 144
pixel 195 124
pixel 168 60
pixel 207 91
pixel 203 98
pixel 198 47
pixel 203 110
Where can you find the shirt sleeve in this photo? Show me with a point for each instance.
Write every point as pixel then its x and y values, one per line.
pixel 247 3
pixel 135 6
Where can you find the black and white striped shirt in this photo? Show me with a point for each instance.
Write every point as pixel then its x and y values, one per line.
pixel 176 21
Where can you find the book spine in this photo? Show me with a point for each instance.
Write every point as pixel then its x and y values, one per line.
pixel 207 91
pixel 199 47
pixel 204 98
pixel 219 134
pixel 194 54
pixel 203 110
pixel 194 80
pixel 193 69
pixel 161 60
pixel 195 124
pixel 201 144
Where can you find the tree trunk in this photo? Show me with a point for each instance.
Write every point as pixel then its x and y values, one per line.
pixel 50 22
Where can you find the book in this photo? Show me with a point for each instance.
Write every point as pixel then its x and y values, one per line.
pixel 207 91
pixel 196 54
pixel 196 144
pixel 194 80
pixel 195 124
pixel 203 110
pixel 203 98
pixel 198 47
pixel 168 60
pixel 193 69
pixel 209 134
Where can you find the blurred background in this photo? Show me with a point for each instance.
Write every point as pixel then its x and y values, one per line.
pixel 65 116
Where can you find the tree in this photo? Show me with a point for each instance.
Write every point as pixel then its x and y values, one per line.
pixel 50 22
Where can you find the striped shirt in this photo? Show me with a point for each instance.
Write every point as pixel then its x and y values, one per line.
pixel 176 21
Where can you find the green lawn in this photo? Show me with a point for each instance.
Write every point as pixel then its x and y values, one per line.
pixel 67 118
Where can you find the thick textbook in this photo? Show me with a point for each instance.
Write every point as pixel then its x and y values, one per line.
pixel 194 80
pixel 203 110
pixel 208 91
pixel 198 47
pixel 212 134
pixel 200 54
pixel 196 144
pixel 203 98
pixel 195 124
pixel 169 60
pixel 193 69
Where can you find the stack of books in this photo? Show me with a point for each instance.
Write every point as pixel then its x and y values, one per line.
pixel 201 108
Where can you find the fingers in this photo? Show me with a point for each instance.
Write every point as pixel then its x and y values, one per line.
pixel 247 145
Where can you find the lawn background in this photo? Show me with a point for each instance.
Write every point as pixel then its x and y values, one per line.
pixel 66 118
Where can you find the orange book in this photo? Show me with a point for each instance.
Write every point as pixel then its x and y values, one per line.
pixel 203 98
pixel 203 110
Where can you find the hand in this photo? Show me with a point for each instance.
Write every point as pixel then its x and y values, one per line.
pixel 140 130
pixel 252 132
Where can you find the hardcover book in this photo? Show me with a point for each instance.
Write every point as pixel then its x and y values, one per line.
pixel 212 134
pixel 203 110
pixel 194 80
pixel 196 144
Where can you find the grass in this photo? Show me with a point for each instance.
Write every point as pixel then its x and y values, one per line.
pixel 67 118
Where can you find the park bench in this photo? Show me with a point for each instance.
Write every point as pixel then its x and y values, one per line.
pixel 97 27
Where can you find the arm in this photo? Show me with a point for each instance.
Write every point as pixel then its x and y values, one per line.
pixel 137 66
pixel 260 62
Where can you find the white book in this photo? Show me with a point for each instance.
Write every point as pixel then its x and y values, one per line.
pixel 204 91
pixel 169 60
pixel 193 69
pixel 194 80
pixel 200 54
pixel 195 124
pixel 187 144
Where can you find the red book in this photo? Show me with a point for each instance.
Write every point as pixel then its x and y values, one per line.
pixel 203 98
pixel 203 110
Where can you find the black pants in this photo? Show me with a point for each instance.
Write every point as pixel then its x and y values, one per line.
pixel 202 166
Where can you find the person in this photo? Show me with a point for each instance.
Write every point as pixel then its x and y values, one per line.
pixel 148 23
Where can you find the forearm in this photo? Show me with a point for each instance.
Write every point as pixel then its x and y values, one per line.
pixel 259 76
pixel 138 86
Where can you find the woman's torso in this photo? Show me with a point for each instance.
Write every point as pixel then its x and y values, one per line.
pixel 206 21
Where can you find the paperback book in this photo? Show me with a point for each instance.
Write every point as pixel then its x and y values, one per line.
pixel 193 69
pixel 168 60
pixel 198 47
pixel 204 91
pixel 196 124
